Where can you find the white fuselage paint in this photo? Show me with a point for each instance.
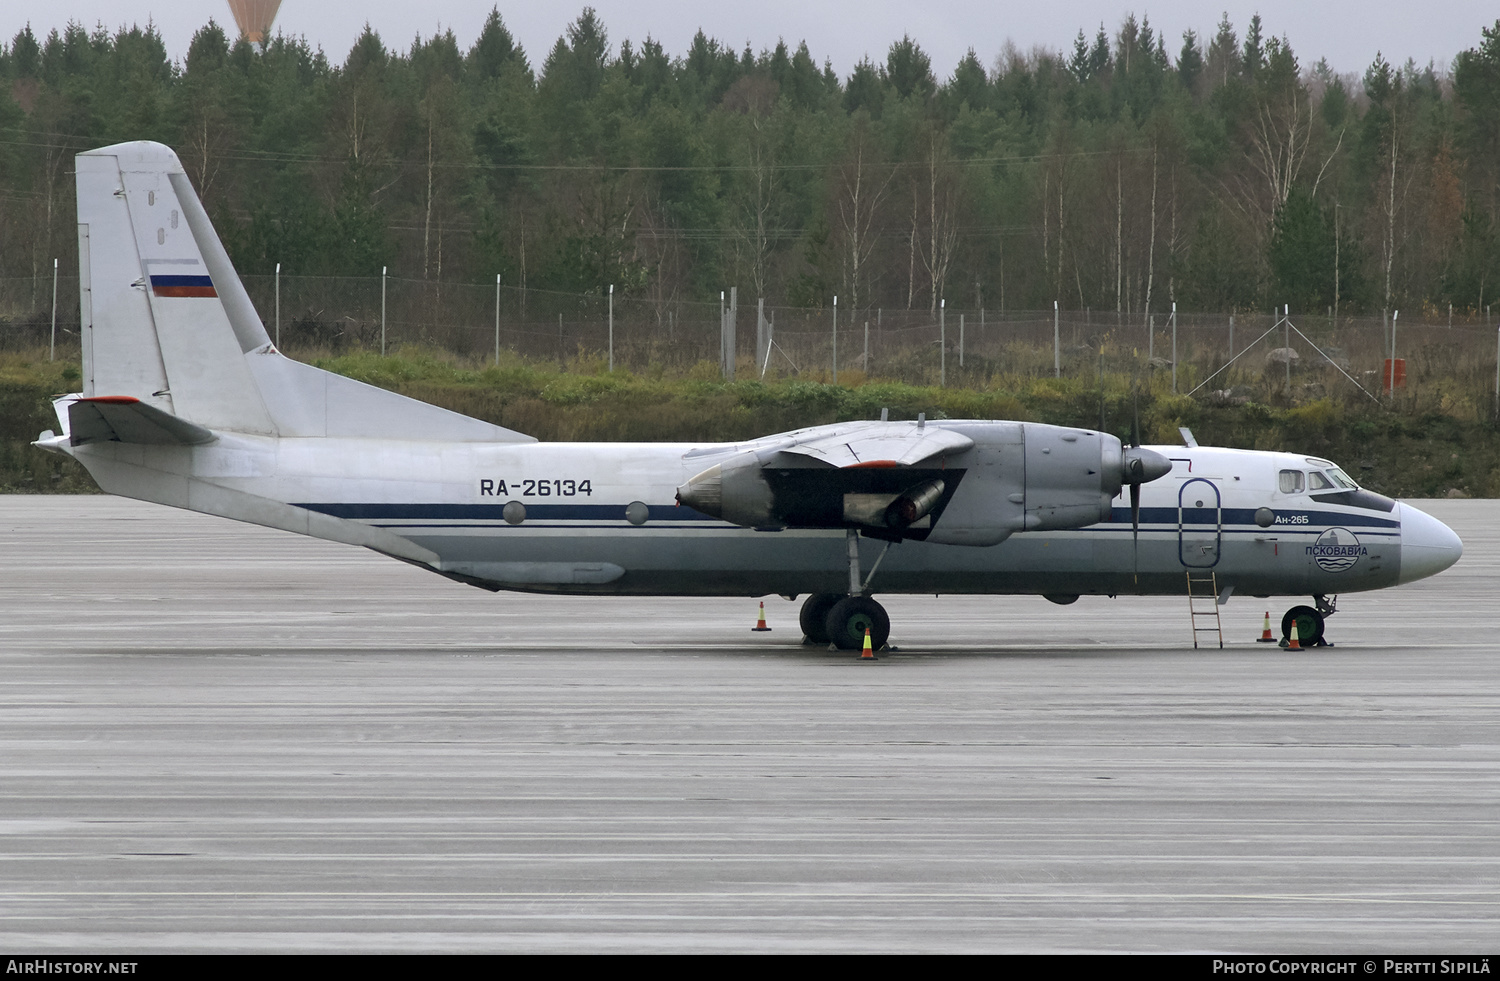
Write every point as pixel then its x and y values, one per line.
pixel 442 505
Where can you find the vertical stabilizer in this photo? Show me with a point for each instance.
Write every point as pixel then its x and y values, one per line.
pixel 157 328
pixel 167 321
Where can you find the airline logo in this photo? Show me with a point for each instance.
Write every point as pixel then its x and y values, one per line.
pixel 1337 550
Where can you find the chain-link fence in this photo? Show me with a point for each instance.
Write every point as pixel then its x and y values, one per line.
pixel 1215 354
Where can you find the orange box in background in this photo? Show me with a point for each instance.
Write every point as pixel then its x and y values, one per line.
pixel 1395 373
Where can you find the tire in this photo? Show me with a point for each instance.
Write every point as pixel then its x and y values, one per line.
pixel 814 616
pixel 1309 626
pixel 849 619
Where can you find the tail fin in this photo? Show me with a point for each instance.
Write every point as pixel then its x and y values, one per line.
pixel 167 321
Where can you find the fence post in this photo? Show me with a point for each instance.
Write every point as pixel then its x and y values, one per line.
pixel 1395 315
pixel 1174 348
pixel 731 341
pixel 497 320
pixel 52 352
pixel 382 311
pixel 835 340
pixel 943 343
pixel 867 348
pixel 761 348
pixel 278 306
pixel 1286 315
pixel 1056 341
pixel 770 339
pixel 960 340
pixel 611 325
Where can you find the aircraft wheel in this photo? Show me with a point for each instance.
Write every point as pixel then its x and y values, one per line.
pixel 814 616
pixel 850 617
pixel 1309 626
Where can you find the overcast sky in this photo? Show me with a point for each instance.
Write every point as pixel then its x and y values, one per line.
pixel 1347 32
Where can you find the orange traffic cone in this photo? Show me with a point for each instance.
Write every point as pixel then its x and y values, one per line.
pixel 1265 633
pixel 867 654
pixel 761 623
pixel 1292 644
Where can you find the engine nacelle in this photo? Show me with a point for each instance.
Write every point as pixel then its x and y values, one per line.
pixel 1000 478
pixel 735 490
pixel 1074 475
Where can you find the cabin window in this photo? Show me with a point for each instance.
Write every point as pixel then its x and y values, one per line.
pixel 1291 481
pixel 1316 481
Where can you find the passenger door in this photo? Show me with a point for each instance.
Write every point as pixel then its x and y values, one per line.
pixel 1200 523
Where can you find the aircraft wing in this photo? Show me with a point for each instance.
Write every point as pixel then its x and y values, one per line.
pixel 877 444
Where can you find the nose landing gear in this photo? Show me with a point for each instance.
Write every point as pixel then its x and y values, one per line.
pixel 1309 621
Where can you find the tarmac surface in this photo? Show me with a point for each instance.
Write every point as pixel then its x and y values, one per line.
pixel 217 737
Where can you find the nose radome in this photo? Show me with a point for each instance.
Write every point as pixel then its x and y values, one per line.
pixel 1427 545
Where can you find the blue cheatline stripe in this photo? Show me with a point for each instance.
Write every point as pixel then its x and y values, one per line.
pixel 496 512
pixel 1234 520
pixel 1246 516
pixel 618 527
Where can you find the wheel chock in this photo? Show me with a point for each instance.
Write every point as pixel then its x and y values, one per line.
pixel 760 625
pixel 1265 633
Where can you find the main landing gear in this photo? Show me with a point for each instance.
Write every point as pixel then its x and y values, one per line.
pixel 1309 621
pixel 829 618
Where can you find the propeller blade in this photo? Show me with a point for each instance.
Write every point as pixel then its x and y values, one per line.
pixel 1135 530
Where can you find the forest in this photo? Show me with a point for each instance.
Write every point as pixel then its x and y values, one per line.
pixel 1219 172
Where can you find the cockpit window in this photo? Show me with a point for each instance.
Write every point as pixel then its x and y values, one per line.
pixel 1316 481
pixel 1342 479
pixel 1291 481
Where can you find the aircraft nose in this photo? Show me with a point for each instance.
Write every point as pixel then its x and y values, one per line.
pixel 1427 545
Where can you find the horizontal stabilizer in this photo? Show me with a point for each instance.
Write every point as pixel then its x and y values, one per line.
pixel 880 444
pixel 124 419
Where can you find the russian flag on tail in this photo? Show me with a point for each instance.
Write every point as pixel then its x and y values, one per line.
pixel 177 285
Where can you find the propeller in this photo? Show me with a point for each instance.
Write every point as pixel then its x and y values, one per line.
pixel 1137 466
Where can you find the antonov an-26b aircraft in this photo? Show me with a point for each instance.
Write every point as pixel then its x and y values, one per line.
pixel 186 402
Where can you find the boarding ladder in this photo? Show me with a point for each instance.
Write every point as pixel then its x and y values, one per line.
pixel 1203 605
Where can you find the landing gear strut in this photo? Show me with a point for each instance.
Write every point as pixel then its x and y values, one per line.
pixel 842 620
pixel 1309 620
